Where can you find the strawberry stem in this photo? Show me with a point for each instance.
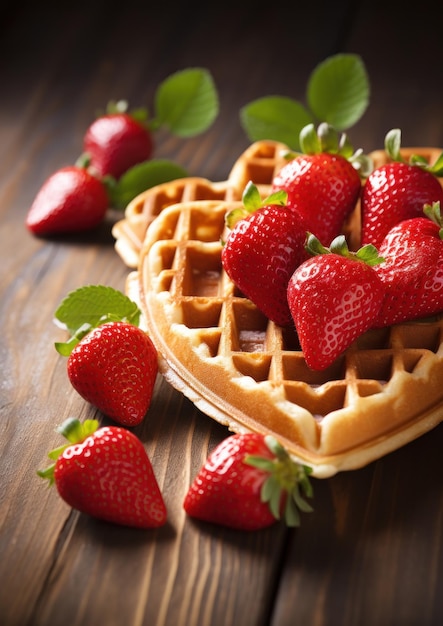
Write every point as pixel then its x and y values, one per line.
pixel 393 150
pixel 367 254
pixel 75 432
pixel 287 479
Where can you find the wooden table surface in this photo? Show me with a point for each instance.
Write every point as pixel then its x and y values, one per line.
pixel 372 551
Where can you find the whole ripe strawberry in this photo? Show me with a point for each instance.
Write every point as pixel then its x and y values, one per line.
pixel 263 249
pixel 413 269
pixel 71 200
pixel 116 141
pixel 106 473
pixel 249 482
pixel 334 297
pixel 397 191
pixel 114 367
pixel 323 184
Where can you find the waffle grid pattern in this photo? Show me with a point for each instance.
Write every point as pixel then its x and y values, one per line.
pixel 231 327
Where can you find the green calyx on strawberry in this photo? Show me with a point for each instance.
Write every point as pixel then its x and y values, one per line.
pixel 326 139
pixel 112 363
pixel 393 150
pixel 106 473
pixel 249 482
pixel 367 254
pixel 264 246
pixel 252 201
pixel 323 182
pixel 286 482
pixel 398 190
pixel 334 297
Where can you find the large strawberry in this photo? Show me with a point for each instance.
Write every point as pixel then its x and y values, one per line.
pixel 397 191
pixel 323 184
pixel 114 367
pixel 413 269
pixel 116 141
pixel 263 249
pixel 106 473
pixel 248 482
pixel 334 297
pixel 70 200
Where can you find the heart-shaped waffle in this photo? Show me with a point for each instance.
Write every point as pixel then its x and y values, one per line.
pixel 249 374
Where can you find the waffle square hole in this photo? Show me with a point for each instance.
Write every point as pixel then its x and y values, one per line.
pixel 201 313
pixel 208 227
pixel 374 339
pixel 157 203
pixel 294 368
pixel 373 365
pixel 321 402
pixel 202 272
pixel 249 332
pixel 424 336
pixel 255 365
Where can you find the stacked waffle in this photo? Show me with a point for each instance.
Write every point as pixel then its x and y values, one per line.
pixel 250 374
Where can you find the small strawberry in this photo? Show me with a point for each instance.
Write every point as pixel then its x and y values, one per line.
pixel 114 367
pixel 397 191
pixel 413 269
pixel 323 184
pixel 107 474
pixel 71 200
pixel 334 297
pixel 263 249
pixel 117 140
pixel 247 483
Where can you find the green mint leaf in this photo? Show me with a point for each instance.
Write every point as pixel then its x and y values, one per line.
pixel 187 102
pixel 276 118
pixel 338 90
pixel 93 305
pixel 141 177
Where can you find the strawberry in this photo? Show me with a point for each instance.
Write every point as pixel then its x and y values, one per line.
pixel 397 191
pixel 334 297
pixel 107 474
pixel 116 141
pixel 322 184
pixel 114 367
pixel 70 200
pixel 247 483
pixel 413 269
pixel 263 249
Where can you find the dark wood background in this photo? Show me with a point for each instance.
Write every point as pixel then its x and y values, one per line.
pixel 372 552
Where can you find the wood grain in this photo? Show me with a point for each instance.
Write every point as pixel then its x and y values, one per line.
pixel 371 553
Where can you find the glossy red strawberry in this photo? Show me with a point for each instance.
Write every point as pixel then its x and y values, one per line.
pixel 334 297
pixel 323 187
pixel 247 483
pixel 71 200
pixel 397 191
pixel 114 367
pixel 413 269
pixel 262 250
pixel 115 142
pixel 107 474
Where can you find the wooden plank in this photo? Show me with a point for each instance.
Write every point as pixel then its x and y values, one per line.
pixel 371 552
